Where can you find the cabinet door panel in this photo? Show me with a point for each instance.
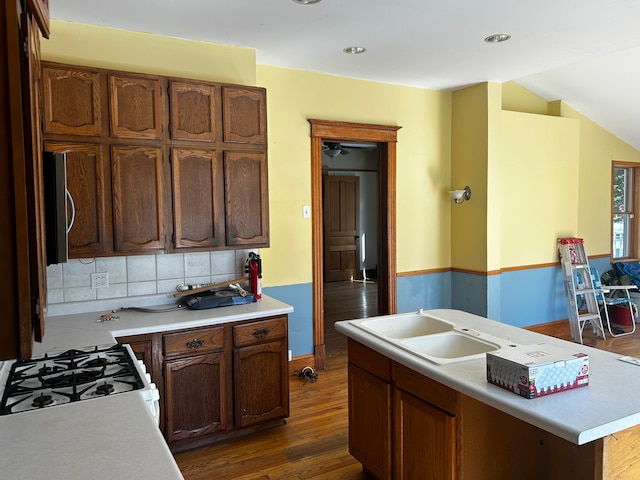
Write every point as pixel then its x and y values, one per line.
pixel 40 10
pixel 424 440
pixel 35 186
pixel 244 115
pixel 370 421
pixel 260 383
pixel 198 198
pixel 136 109
pixel 71 102
pixel 193 111
pixel 246 202
pixel 195 398
pixel 85 182
pixel 138 204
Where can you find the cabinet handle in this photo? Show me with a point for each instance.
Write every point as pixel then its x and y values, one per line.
pixel 195 343
pixel 263 332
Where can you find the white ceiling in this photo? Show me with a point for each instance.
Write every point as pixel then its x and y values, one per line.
pixel 585 52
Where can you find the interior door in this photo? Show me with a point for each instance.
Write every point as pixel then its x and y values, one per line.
pixel 341 227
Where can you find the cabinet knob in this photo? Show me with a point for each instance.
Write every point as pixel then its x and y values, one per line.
pixel 261 333
pixel 195 343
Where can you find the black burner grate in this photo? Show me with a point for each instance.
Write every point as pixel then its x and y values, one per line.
pixel 70 376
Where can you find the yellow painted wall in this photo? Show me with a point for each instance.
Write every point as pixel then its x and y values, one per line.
pixel 423 163
pixel 293 96
pixel 469 155
pixel 447 140
pixel 540 156
pixel 495 177
pixel 518 99
pixel 111 48
pixel 598 149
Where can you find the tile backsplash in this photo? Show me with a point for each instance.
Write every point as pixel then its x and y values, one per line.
pixel 138 276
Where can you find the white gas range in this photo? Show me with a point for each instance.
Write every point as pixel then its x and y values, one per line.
pixel 61 378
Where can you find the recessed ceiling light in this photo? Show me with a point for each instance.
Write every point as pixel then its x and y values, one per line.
pixel 497 38
pixel 307 2
pixel 354 50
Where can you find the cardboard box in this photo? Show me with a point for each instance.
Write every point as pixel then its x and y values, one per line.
pixel 532 371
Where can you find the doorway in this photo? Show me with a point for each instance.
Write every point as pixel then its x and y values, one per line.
pixel 385 138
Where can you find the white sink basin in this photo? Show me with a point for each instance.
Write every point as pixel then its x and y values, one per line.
pixel 405 326
pixel 451 345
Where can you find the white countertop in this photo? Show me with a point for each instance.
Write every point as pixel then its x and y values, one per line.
pixel 82 329
pixel 609 404
pixel 103 439
pixel 112 437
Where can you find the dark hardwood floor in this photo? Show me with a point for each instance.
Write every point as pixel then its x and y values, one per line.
pixel 313 444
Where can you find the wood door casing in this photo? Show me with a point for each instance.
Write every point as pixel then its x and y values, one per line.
pixel 385 136
pixel 341 227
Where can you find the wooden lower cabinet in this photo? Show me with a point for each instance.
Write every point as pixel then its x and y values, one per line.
pixel 438 433
pixel 195 397
pixel 424 439
pixel 218 381
pixel 261 385
pixel 401 425
pixel 258 397
pixel 370 423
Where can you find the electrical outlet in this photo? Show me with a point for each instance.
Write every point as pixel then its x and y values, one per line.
pixel 306 211
pixel 100 280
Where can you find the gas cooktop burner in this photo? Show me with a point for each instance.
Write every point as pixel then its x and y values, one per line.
pixel 74 375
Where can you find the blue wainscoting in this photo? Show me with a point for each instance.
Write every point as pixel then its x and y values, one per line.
pixel 424 291
pixel 300 297
pixel 520 298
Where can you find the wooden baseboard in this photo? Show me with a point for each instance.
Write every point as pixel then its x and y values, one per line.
pixel 298 363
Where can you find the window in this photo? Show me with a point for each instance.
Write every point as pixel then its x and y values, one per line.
pixel 624 226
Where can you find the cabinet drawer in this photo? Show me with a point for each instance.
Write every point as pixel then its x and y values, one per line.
pixel 425 388
pixel 193 342
pixel 259 332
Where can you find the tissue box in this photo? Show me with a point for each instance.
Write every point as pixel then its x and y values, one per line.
pixel 532 371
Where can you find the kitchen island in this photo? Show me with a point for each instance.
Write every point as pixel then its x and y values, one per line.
pixel 114 436
pixel 467 428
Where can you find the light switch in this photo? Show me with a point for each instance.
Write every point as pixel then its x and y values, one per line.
pixel 306 211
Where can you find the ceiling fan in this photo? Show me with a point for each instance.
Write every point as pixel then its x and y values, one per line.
pixel 333 149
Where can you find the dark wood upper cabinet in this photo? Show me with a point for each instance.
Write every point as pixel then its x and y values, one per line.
pixel 138 198
pixel 135 107
pixel 72 101
pixel 87 187
pixel 193 111
pixel 40 11
pixel 22 247
pixel 244 115
pixel 246 198
pixel 35 186
pixel 115 128
pixel 198 198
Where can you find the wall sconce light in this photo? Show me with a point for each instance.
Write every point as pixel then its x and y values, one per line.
pixel 460 196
